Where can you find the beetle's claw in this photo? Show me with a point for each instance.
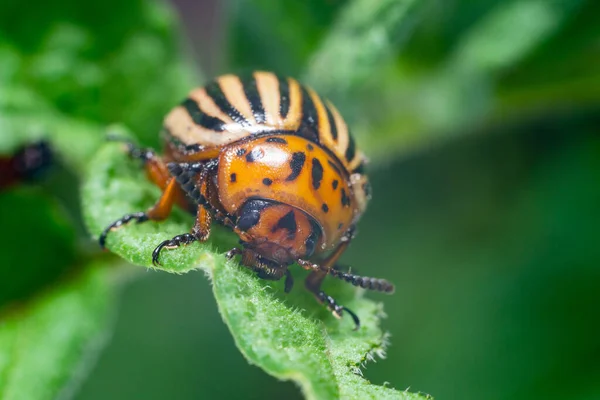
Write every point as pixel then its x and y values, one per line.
pixel 174 243
pixel 354 318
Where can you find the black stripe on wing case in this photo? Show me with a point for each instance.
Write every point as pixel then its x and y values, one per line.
pixel 332 125
pixel 254 99
pixel 309 126
pixel 199 118
pixel 351 150
pixel 214 90
pixel 284 97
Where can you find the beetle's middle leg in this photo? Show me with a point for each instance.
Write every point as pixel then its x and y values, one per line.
pixel 158 173
pixel 156 169
pixel 201 229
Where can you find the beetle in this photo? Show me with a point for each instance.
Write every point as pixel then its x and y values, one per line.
pixel 268 158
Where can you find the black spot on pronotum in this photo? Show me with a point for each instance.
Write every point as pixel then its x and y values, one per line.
pixel 249 214
pixel 296 164
pixel 317 173
pixel 199 118
pixel 275 139
pixel 345 198
pixel 310 147
pixel 255 154
pixel 334 184
pixel 248 220
pixel 287 222
pixel 325 208
pixel 240 152
pixel 267 181
pixel 233 177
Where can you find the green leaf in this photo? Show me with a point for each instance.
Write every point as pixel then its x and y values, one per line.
pixel 416 104
pixel 26 117
pixel 366 35
pixel 129 71
pixel 261 32
pixel 292 338
pixel 510 32
pixel 28 214
pixel 46 344
pixel 68 73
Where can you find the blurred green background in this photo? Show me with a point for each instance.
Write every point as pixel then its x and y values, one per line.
pixel 482 121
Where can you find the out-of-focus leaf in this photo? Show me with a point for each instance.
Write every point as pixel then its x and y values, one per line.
pixel 32 219
pixel 47 343
pixel 129 71
pixel 509 32
pixel 278 35
pixel 416 107
pixel 284 341
pixel 26 117
pixel 366 35
pixel 560 73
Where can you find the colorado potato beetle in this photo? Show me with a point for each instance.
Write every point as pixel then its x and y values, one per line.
pixel 271 160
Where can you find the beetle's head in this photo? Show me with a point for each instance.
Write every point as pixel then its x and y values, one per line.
pixel 278 232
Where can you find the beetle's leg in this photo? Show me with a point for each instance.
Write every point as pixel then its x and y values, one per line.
pixel 319 271
pixel 313 284
pixel 201 229
pixel 155 168
pixel 175 242
pixel 159 211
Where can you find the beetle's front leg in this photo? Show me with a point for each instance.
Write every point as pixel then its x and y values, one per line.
pixel 313 284
pixel 201 229
pixel 158 212
pixel 200 232
pixel 155 167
